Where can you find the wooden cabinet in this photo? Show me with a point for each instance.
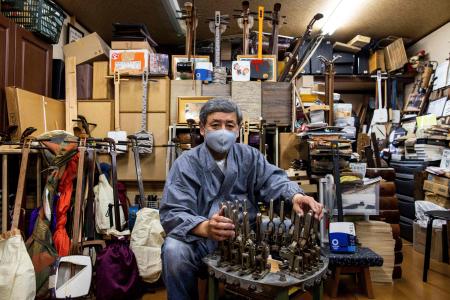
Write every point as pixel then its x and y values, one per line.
pixel 25 62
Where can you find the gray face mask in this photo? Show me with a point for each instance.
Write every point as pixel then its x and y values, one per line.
pixel 220 140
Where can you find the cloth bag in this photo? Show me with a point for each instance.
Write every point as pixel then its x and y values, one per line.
pixel 17 277
pixel 117 274
pixel 147 238
pixel 104 196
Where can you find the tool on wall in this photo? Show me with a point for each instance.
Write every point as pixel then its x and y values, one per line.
pixel 276 21
pixel 117 135
pixel 218 25
pixel 137 163
pixel 260 68
pixel 144 137
pixel 298 44
pixel 190 17
pixel 245 22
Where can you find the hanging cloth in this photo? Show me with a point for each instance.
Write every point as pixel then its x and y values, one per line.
pixel 65 188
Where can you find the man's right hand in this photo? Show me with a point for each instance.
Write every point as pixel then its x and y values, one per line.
pixel 217 228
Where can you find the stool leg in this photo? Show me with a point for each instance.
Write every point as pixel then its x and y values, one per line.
pixel 426 262
pixel 282 295
pixel 368 283
pixel 335 282
pixel 317 292
pixel 444 244
pixel 213 288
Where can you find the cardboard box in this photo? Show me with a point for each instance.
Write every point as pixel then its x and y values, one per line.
pixel 376 61
pixel 359 41
pixel 131 45
pixel 157 123
pixel 306 81
pixel 130 62
pixel 100 112
pixel 216 89
pixel 247 95
pixel 395 55
pixel 27 109
pixel 87 49
pixel 436 188
pixel 159 64
pixel 157 97
pixel 439 179
pixel 419 240
pixel 437 199
pixel 153 166
pixel 102 87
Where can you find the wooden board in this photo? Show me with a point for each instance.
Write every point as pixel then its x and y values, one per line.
pixel 71 92
pixel 153 166
pixel 157 123
pixel 216 89
pixel 247 94
pixel 276 104
pixel 157 96
pixel 180 88
pixel 102 87
pixel 100 112
pixel 289 149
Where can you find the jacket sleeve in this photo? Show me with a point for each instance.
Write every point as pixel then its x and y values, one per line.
pixel 273 182
pixel 178 211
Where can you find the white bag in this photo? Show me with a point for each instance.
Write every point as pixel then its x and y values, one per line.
pixel 147 238
pixel 380 114
pixel 104 196
pixel 17 277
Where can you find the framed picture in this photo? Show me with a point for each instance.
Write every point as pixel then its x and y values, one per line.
pixel 73 34
pixel 271 68
pixel 181 68
pixel 240 70
pixel 414 103
pixel 189 108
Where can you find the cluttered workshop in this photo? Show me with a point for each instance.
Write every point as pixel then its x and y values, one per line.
pixel 206 149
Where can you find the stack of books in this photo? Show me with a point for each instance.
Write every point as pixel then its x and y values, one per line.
pixel 377 236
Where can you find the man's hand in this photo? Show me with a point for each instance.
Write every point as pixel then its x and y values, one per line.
pixel 302 203
pixel 217 228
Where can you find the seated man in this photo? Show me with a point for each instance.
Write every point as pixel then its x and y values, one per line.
pixel 217 170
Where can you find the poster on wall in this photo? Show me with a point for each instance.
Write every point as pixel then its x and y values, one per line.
pixel 73 34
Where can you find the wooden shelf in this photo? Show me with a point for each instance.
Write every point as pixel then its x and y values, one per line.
pixel 358 83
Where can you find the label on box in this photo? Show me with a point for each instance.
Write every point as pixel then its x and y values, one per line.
pixel 342 237
pixel 133 62
pixel 159 64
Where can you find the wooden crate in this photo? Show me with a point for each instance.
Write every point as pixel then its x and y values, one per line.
pixel 247 94
pixel 277 102
pixel 217 90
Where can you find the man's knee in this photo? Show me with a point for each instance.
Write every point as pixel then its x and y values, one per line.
pixel 177 255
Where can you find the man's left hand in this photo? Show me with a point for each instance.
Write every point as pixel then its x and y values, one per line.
pixel 302 203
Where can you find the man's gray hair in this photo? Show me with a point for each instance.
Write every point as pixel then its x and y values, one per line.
pixel 219 105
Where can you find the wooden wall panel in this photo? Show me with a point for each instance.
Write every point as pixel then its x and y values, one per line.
pixel 7 29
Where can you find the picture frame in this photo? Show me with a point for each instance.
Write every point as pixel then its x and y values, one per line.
pixel 184 58
pixel 189 108
pixel 73 34
pixel 414 103
pixel 272 61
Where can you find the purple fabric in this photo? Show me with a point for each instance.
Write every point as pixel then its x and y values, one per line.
pixel 117 274
pixel 33 217
pixel 53 220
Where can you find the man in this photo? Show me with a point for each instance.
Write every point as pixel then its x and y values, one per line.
pixel 217 170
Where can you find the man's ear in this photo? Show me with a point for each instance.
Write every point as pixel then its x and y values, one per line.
pixel 202 130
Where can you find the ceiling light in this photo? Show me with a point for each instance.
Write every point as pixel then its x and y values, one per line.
pixel 172 8
pixel 340 13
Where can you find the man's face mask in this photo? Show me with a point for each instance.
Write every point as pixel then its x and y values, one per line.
pixel 220 140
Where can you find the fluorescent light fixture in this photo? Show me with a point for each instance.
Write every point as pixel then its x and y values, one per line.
pixel 171 7
pixel 340 14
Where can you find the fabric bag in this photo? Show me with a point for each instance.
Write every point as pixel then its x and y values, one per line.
pixel 17 278
pixel 117 274
pixel 147 238
pixel 104 197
